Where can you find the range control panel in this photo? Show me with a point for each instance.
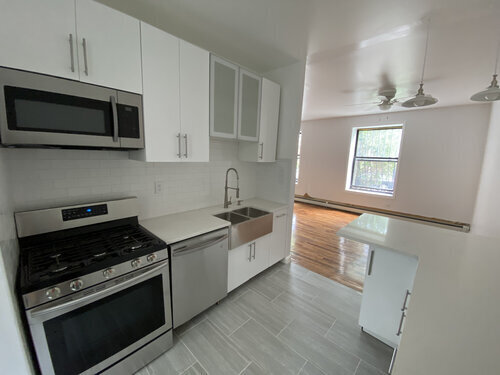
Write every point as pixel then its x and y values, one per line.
pixel 83 212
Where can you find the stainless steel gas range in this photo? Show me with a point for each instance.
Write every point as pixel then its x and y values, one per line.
pixel 95 287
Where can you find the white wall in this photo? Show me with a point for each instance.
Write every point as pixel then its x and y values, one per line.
pixel 43 178
pixel 485 219
pixel 440 160
pixel 13 357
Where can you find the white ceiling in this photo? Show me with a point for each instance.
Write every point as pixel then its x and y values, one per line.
pixel 354 47
pixel 358 47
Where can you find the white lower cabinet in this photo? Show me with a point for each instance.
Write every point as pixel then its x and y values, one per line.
pixel 386 294
pixel 252 258
pixel 278 249
pixel 248 260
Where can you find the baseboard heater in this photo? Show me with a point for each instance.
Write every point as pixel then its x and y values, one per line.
pixel 462 227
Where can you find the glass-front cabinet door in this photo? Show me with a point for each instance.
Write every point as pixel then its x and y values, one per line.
pixel 249 105
pixel 223 98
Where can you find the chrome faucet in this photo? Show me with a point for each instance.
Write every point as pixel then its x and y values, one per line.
pixel 237 188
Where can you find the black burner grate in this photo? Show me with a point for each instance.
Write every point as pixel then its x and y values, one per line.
pixel 77 252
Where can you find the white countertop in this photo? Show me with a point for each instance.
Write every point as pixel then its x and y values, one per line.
pixel 180 226
pixel 453 320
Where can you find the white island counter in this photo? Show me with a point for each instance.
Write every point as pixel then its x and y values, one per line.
pixel 453 321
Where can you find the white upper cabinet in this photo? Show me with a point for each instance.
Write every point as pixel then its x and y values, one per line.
pixel 175 99
pixel 109 46
pixel 39 36
pixel 161 101
pixel 249 106
pixel 223 98
pixel 195 102
pixel 265 149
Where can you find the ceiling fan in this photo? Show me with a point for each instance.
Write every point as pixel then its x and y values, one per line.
pixel 387 99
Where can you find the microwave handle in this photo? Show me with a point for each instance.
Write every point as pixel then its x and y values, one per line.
pixel 115 118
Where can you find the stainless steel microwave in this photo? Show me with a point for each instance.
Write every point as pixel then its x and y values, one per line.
pixel 40 110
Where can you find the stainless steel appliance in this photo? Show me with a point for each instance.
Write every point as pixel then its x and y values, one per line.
pixel 95 287
pixel 199 274
pixel 40 110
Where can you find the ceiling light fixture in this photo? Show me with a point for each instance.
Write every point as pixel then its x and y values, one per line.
pixel 492 93
pixel 421 99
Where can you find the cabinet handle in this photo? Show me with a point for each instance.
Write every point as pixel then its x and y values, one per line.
pixel 115 118
pixel 403 316
pixel 393 359
pixel 406 299
pixel 250 253
pixel 253 251
pixel 72 55
pixel 280 215
pixel 186 145
pixel 179 155
pixel 261 156
pixel 370 262
pixel 84 45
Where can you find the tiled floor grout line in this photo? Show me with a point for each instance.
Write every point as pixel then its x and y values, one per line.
pixel 246 321
pixel 282 329
pixel 241 295
pixel 288 346
pixel 189 350
pixel 356 370
pixel 247 366
pixel 260 293
pixel 328 330
pixel 304 365
pixel 275 298
pixel 190 328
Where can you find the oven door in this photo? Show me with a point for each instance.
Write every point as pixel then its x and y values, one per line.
pixel 92 331
pixel 42 110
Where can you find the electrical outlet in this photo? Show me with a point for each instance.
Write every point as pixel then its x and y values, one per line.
pixel 159 187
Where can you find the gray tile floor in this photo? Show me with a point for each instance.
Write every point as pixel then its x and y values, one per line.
pixel 288 320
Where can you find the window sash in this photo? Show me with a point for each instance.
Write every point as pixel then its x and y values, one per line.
pixel 394 160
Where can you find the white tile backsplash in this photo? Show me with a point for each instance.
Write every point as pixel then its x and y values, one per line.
pixel 40 178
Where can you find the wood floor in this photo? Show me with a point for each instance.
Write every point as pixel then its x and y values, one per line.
pixel 316 246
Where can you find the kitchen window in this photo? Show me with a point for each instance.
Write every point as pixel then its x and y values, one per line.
pixel 374 159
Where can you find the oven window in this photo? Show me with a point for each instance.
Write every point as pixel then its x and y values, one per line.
pixel 43 111
pixel 86 336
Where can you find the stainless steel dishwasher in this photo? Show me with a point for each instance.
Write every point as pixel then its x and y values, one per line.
pixel 199 274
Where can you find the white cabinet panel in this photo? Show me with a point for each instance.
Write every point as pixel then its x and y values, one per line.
pixel 109 47
pixel 249 106
pixel 160 61
pixel 223 98
pixel 277 250
pixel 265 149
pixel 260 255
pixel 239 268
pixel 36 36
pixel 269 117
pixel 194 102
pixel 389 275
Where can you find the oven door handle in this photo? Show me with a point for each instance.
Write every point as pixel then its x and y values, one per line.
pixel 37 312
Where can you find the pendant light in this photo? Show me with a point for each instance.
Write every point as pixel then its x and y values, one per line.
pixel 492 93
pixel 421 99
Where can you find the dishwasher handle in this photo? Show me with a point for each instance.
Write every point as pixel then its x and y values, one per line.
pixel 196 246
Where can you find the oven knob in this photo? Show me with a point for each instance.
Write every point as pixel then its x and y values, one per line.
pixel 151 257
pixel 53 293
pixel 135 263
pixel 109 272
pixel 76 285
